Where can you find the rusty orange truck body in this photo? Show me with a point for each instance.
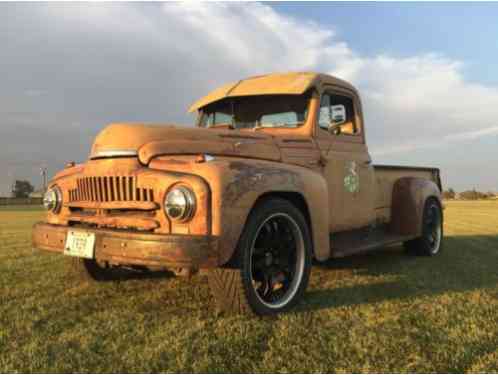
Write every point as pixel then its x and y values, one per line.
pixel 276 173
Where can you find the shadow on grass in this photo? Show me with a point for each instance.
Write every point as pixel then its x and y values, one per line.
pixel 127 274
pixel 466 263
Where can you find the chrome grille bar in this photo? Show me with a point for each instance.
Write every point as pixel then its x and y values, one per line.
pixel 109 189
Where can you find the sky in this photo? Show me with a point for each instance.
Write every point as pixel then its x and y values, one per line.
pixel 427 74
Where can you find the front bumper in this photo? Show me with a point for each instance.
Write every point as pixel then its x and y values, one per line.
pixel 130 248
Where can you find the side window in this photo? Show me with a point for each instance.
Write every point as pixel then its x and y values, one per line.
pixel 334 108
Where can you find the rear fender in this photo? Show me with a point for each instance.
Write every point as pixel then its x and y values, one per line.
pixel 408 201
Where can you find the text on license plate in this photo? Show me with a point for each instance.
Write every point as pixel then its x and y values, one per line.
pixel 80 244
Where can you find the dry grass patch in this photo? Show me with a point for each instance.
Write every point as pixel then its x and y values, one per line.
pixel 382 312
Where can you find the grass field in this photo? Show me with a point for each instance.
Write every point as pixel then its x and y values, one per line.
pixel 382 312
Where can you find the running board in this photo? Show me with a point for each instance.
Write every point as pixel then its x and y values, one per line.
pixel 362 240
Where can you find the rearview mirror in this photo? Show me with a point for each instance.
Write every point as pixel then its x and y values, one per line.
pixel 338 117
pixel 338 114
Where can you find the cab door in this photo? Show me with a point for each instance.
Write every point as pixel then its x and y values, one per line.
pixel 348 167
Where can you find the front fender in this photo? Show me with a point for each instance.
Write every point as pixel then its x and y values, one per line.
pixel 251 180
pixel 236 184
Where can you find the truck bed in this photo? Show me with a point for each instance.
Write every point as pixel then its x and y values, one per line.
pixel 386 176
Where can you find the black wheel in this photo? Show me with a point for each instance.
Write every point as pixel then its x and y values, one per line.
pixel 431 241
pixel 272 265
pixel 89 269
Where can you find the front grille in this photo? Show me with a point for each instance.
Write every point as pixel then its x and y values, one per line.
pixel 110 189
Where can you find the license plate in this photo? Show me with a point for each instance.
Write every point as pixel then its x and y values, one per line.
pixel 80 244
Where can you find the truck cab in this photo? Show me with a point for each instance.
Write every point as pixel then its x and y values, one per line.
pixel 275 173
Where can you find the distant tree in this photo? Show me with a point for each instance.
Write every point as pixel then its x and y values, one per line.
pixel 449 194
pixel 474 195
pixel 491 194
pixel 22 189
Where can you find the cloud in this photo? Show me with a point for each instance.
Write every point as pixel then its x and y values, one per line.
pixel 423 100
pixel 410 102
pixel 75 67
pixel 35 92
pixel 438 142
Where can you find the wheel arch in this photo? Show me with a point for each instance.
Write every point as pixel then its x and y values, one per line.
pixel 298 200
pixel 408 201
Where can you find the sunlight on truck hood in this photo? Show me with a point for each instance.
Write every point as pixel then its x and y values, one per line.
pixel 149 141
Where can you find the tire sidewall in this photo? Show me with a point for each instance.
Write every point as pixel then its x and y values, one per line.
pixel 89 270
pixel 431 202
pixel 264 210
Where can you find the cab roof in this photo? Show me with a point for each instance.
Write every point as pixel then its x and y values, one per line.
pixel 271 84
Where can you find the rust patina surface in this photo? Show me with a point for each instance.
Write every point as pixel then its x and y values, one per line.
pixel 119 193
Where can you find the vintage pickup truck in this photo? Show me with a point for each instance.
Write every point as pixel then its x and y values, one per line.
pixel 275 174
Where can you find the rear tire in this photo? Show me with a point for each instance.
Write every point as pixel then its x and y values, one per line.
pixel 431 241
pixel 272 263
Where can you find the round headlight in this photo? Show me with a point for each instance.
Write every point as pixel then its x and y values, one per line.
pixel 52 200
pixel 179 203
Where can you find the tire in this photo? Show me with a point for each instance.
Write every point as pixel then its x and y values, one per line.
pixel 272 262
pixel 431 241
pixel 88 270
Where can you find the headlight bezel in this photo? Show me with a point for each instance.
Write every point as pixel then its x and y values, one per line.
pixel 176 211
pixel 52 199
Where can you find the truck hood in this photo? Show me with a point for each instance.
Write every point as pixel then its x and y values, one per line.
pixel 150 141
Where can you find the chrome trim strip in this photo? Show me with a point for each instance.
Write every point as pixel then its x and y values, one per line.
pixel 113 153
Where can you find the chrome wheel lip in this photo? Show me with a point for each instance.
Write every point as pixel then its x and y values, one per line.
pixel 299 266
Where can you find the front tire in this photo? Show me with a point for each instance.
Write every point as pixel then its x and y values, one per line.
pixel 272 263
pixel 431 241
pixel 88 270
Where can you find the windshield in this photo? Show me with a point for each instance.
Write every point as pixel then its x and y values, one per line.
pixel 253 112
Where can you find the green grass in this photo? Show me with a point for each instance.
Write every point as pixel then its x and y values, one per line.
pixel 21 207
pixel 382 312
